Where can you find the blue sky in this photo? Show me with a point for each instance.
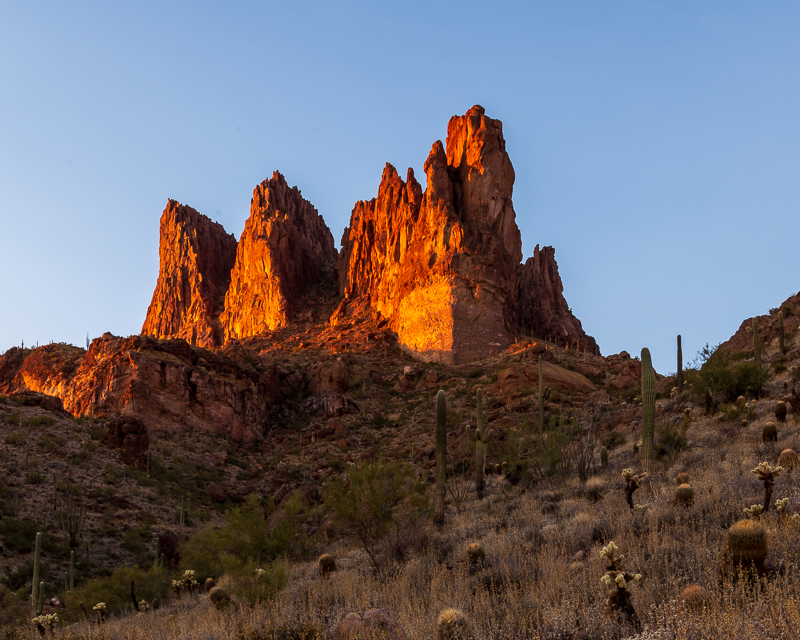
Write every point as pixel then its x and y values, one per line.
pixel 656 144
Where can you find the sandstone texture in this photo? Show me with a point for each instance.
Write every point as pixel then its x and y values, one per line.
pixel 442 266
pixel 130 436
pixel 283 248
pixel 167 385
pixel 196 256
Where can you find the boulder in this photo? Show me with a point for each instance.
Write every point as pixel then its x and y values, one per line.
pixel 128 434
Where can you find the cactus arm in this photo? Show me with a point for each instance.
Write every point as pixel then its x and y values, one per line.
pixel 36 564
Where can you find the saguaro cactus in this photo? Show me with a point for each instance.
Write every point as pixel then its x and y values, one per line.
pixel 441 457
pixel 781 334
pixel 36 563
pixel 479 437
pixel 541 396
pixel 648 408
pixel 71 571
pixel 679 375
pixel 756 344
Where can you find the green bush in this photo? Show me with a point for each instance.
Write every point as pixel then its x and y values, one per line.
pixel 727 376
pixel 41 421
pixel 16 437
pixel 613 439
pixel 115 590
pixel 247 535
pixel 253 583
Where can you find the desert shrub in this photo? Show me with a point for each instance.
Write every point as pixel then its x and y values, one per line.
pixel 613 439
pixel 51 443
pixel 727 376
pixel 20 577
pixel 247 535
pixel 19 437
pixel 115 590
pixel 41 421
pixel 97 432
pixel 382 498
pixel 252 582
pixel 673 439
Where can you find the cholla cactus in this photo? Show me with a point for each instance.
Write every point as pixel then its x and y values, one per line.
pixel 632 482
pixel 617 582
pixel 177 586
pixel 783 508
pixel 45 622
pixel 767 474
pixel 189 581
pixel 754 512
pixel 143 606
pixel 100 608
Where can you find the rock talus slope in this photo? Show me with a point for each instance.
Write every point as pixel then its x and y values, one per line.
pixel 442 266
pixel 196 256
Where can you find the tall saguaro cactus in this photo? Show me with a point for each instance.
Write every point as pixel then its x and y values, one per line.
pixel 648 408
pixel 756 344
pixel 441 458
pixel 479 437
pixel 541 396
pixel 35 584
pixel 679 375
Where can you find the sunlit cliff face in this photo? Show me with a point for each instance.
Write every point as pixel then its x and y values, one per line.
pixel 440 266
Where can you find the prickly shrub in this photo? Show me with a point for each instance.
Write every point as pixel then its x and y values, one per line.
pixel 452 624
pixel 327 565
pixel 684 495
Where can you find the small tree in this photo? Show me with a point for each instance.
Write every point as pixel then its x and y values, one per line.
pixel 380 498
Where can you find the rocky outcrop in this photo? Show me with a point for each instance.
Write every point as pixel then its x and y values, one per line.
pixel 442 266
pixel 768 324
pixel 166 384
pixel 130 436
pixel 196 256
pixel 283 248
pixel 540 305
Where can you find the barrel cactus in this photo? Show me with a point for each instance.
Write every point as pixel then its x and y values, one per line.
pixel 788 459
pixel 219 597
pixel 682 478
pixel 746 546
pixel 684 495
pixel 780 411
pixel 769 432
pixel 210 584
pixel 327 565
pixel 452 624
pixel 475 554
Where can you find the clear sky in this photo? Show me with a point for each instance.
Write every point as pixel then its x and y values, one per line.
pixel 656 144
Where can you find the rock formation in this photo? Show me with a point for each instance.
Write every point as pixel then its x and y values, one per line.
pixel 283 247
pixel 196 256
pixel 442 266
pixel 540 304
pixel 165 384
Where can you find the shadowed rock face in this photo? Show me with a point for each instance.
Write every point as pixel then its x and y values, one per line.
pixel 540 304
pixel 196 256
pixel 442 266
pixel 283 247
pixel 165 384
